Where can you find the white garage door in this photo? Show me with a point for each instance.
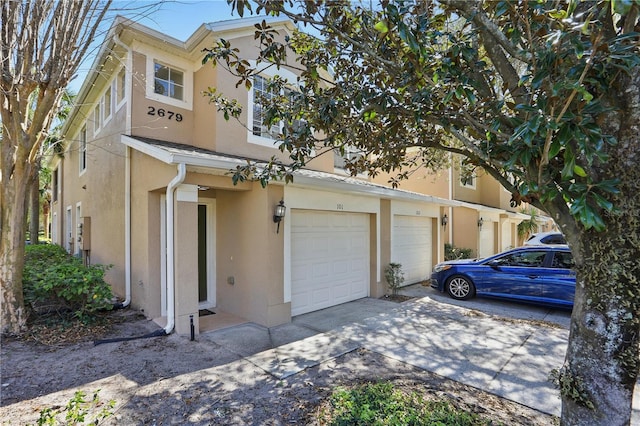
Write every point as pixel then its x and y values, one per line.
pixel 329 259
pixel 411 247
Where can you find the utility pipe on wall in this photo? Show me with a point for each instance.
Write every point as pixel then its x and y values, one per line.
pixel 171 267
pixel 127 189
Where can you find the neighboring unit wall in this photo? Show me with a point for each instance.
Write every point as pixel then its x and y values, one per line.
pixel 422 181
pixel 465 228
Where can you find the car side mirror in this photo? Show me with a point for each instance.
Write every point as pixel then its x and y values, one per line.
pixel 495 264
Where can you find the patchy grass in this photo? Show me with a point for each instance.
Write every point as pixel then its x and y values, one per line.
pixel 384 404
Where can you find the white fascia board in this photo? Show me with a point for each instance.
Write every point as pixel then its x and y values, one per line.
pixel 232 25
pixel 145 148
pixel 212 163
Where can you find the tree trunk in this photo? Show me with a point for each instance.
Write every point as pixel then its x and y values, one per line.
pixel 46 209
pixel 34 207
pixel 603 356
pixel 12 241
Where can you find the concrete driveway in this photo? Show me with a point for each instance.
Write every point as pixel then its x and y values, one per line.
pixel 504 348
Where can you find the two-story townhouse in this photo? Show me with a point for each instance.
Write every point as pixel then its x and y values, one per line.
pixel 144 186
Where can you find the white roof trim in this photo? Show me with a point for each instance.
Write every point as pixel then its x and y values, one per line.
pixel 303 178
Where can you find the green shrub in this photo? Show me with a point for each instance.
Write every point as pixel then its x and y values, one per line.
pixel 394 276
pixel 53 278
pixel 383 404
pixel 454 253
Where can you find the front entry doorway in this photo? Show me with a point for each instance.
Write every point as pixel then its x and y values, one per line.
pixel 206 253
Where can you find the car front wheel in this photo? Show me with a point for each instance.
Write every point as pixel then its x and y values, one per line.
pixel 460 288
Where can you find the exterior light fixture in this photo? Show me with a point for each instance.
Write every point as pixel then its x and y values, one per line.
pixel 278 214
pixel 444 220
pixel 480 222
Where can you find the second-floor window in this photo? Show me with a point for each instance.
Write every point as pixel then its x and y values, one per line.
pixel 262 93
pixel 106 101
pixel 54 190
pixel 467 176
pixel 351 153
pixel 96 119
pixel 168 81
pixel 82 149
pixel 120 85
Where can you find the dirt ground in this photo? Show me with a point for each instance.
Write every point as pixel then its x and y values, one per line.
pixel 170 380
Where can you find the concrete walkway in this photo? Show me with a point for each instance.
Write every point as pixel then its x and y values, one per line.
pixel 481 343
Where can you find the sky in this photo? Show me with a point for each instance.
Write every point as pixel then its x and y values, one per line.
pixel 176 18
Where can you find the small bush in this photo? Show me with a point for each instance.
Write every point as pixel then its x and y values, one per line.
pixel 454 253
pixel 78 411
pixel 56 281
pixel 383 404
pixel 394 276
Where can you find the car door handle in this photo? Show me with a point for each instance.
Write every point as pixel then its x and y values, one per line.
pixel 533 277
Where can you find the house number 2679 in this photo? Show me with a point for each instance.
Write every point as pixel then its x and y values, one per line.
pixel 161 112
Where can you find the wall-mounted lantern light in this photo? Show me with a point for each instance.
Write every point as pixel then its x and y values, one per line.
pixel 480 223
pixel 444 220
pixel 279 213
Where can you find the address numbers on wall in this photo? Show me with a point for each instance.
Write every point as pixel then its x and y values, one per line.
pixel 163 113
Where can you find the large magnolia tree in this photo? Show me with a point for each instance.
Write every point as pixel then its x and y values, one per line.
pixel 542 95
pixel 42 43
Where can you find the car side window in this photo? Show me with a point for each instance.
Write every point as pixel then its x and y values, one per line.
pixel 527 259
pixel 554 239
pixel 562 259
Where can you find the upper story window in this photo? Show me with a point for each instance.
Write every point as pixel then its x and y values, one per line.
pixel 262 93
pixel 54 185
pixel 121 81
pixel 96 118
pixel 106 104
pixel 82 149
pixel 351 153
pixel 467 176
pixel 168 81
pixel 168 78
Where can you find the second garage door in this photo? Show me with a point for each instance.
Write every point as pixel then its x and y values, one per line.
pixel 329 259
pixel 412 246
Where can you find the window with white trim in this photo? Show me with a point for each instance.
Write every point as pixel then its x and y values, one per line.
pixel 351 153
pixel 106 104
pixel 262 92
pixel 96 119
pixel 121 81
pixel 54 190
pixel 168 81
pixel 82 149
pixel 467 176
pixel 260 133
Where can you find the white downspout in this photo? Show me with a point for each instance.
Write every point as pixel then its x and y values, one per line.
pixel 127 226
pixel 450 198
pixel 171 275
pixel 127 191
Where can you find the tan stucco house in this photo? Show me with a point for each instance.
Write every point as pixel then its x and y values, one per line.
pixel 143 185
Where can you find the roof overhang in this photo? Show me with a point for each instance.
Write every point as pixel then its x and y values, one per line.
pixel 174 154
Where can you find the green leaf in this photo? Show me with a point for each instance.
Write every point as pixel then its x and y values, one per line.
pixel 579 171
pixel 602 202
pixel 369 115
pixel 558 14
pixel 569 163
pixel 381 26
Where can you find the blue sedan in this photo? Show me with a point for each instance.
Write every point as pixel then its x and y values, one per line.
pixel 535 274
